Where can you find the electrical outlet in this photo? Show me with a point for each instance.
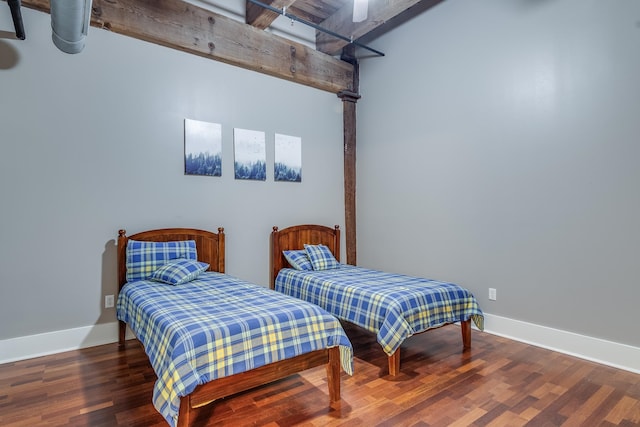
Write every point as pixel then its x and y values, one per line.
pixel 108 301
pixel 492 294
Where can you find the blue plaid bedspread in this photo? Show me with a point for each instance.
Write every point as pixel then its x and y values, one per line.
pixel 217 326
pixel 393 306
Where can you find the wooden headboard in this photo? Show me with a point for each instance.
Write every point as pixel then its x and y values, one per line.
pixel 295 237
pixel 210 246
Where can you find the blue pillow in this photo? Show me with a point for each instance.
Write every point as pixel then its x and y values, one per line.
pixel 143 258
pixel 179 271
pixel 321 257
pixel 298 259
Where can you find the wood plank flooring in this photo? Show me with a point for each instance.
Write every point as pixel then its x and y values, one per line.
pixel 497 383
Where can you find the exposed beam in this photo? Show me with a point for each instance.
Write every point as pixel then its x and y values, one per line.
pixel 380 11
pixel 41 5
pixel 183 26
pixel 260 17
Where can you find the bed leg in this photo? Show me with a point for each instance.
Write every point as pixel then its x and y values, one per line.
pixel 184 415
pixel 465 327
pixel 333 374
pixel 394 363
pixel 122 330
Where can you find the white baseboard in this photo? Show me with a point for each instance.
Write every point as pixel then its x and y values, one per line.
pixel 597 350
pixel 31 346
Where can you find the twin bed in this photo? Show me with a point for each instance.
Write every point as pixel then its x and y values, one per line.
pixel 392 306
pixel 209 335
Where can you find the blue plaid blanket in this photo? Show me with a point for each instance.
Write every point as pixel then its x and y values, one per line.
pixel 393 306
pixel 217 326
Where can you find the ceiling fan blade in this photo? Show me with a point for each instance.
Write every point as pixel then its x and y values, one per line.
pixel 360 8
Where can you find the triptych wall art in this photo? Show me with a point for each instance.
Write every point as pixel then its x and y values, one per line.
pixel 203 153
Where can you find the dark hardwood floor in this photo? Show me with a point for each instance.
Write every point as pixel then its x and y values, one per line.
pixel 497 383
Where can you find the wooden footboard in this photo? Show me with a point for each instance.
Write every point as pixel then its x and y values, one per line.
pixel 227 386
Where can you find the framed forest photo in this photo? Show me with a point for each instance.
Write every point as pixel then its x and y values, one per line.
pixel 288 158
pixel 250 154
pixel 202 148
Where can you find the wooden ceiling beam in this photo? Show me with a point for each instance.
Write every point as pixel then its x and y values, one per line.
pixel 260 17
pixel 183 26
pixel 380 11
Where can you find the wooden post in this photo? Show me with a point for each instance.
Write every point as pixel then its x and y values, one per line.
pixel 349 100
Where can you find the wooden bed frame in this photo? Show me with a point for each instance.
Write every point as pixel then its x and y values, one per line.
pixel 295 237
pixel 211 249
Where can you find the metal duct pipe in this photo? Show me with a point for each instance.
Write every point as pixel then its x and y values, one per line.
pixel 70 21
pixel 14 5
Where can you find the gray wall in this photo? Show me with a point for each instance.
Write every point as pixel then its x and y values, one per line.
pixel 498 146
pixel 92 143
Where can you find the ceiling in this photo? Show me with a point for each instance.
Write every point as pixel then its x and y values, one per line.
pixel 311 10
pixel 194 27
pixel 335 16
